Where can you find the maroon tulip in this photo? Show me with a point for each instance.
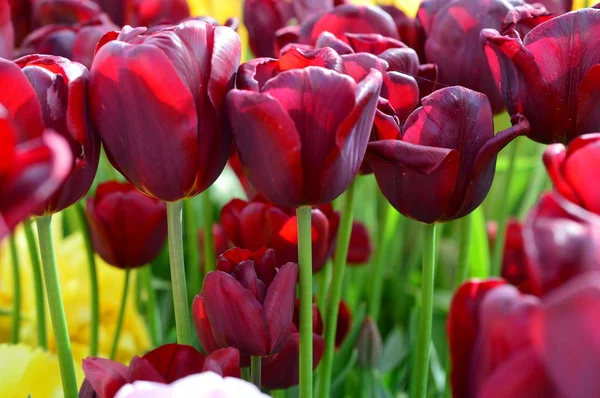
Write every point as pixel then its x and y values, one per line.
pixel 76 42
pixel 128 228
pixel 432 174
pixel 263 18
pixel 158 102
pixel 64 12
pixel 21 12
pixel 551 75
pixel 572 168
pixel 283 105
pixel 360 248
pixel 58 88
pixel 165 364
pixel 30 169
pixel 7 34
pixel 515 269
pixel 247 293
pixel 453 43
pixel 409 29
pixel 152 12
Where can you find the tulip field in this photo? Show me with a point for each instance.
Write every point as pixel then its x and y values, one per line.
pixel 299 198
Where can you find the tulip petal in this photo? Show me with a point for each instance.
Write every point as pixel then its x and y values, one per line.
pixel 279 305
pixel 582 163
pixel 106 377
pixel 402 91
pixel 225 362
pixel 202 324
pixel 588 106
pixel 554 157
pixel 175 361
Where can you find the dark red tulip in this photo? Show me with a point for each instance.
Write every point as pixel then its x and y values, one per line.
pixel 453 42
pixel 165 364
pixel 256 224
pixel 64 12
pixel 431 174
pixel 247 293
pixel 52 92
pixel 360 249
pixel 21 12
pixel 158 102
pixel 75 42
pixel 263 18
pixel 152 12
pixel 409 29
pixel 344 324
pixel 7 34
pixel 128 228
pixel 515 268
pixel 551 75
pixel 30 169
pixel 283 106
pixel 572 170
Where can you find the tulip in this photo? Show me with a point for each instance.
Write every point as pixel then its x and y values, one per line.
pixel 284 114
pixel 409 29
pixel 76 42
pixel 361 248
pixel 170 138
pixel 165 364
pixel 206 385
pixel 551 75
pixel 430 174
pixel 20 14
pixel 369 345
pixel 263 18
pixel 570 168
pixel 64 12
pixel 247 293
pixel 128 228
pixel 30 170
pixel 452 29
pixel 152 12
pixel 515 269
pixel 7 34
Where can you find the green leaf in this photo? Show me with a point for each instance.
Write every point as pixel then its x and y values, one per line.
pixel 480 249
pixel 342 374
pixel 345 352
pixel 394 351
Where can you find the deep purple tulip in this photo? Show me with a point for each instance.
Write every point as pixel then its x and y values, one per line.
pixel 158 102
pixel 263 18
pixel 128 228
pixel 283 106
pixel 7 34
pixel 443 166
pixel 551 75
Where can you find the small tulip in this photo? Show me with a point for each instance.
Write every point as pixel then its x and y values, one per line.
pixel 431 175
pixel 551 75
pixel 128 228
pixel 158 102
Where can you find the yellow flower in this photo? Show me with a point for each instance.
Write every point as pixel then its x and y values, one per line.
pixel 27 371
pixel 74 282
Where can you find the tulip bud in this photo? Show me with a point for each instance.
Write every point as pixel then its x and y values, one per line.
pixel 369 344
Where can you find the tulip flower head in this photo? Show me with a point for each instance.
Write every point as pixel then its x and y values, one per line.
pixel 7 33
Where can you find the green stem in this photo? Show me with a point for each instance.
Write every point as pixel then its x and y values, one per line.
pixel 180 301
pixel 389 221
pixel 151 307
pixel 194 273
pixel 121 316
pixel 424 337
pixel 335 292
pixel 16 312
pixel 536 185
pixel 255 371
pixel 57 310
pixel 94 290
pixel 504 212
pixel 462 267
pixel 209 241
pixel 305 263
pixel 246 374
pixel 38 284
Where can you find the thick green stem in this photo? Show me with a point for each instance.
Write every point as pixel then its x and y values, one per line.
pixel 93 275
pixel 209 241
pixel 192 263
pixel 335 292
pixel 306 332
pixel 255 371
pixel 151 307
pixel 504 212
pixel 121 315
pixel 38 285
pixel 180 300
pixel 57 310
pixel 16 312
pixel 421 367
pixel 246 374
pixel 462 267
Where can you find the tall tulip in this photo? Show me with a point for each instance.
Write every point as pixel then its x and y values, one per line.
pixel 158 101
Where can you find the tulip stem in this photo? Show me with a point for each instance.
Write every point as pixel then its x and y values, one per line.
pixel 121 315
pixel 306 333
pixel 536 184
pixel 335 292
pixel 246 374
pixel 151 308
pixel 421 367
pixel 192 263
pixel 462 267
pixel 93 275
pixel 180 299
pixel 57 310
pixel 209 241
pixel 504 212
pixel 16 313
pixel 38 283
pixel 255 371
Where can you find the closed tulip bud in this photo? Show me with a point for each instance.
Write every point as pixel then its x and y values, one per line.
pixel 551 75
pixel 430 174
pixel 171 137
pixel 128 228
pixel 369 345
